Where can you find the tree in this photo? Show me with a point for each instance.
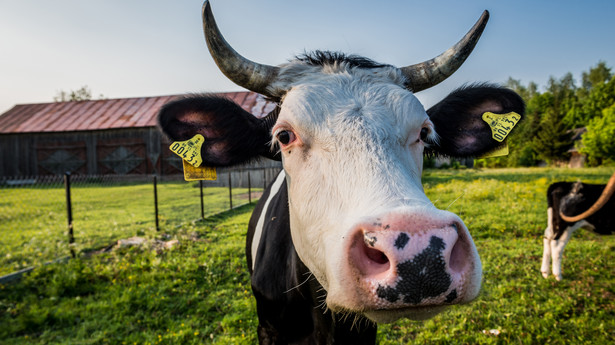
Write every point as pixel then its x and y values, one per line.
pixel 553 139
pixel 82 94
pixel 596 75
pixel 598 142
pixel 600 97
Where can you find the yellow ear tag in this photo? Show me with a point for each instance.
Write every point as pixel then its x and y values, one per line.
pixel 500 151
pixel 501 124
pixel 190 152
pixel 201 173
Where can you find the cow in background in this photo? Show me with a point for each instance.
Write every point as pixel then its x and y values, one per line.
pixel 572 206
pixel 345 234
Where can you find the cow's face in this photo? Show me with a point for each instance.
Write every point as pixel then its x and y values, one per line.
pixel 352 143
pixel 351 137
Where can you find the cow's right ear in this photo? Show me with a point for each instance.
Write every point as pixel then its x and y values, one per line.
pixel 232 135
pixel 458 119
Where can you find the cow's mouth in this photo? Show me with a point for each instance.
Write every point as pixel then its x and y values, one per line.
pixel 412 313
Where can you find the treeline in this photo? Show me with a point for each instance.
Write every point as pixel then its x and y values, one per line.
pixel 553 117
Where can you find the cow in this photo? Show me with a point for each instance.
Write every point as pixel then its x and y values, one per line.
pixel 345 237
pixel 573 206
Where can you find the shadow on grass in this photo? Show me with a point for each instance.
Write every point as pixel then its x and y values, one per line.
pixel 226 215
pixel 593 175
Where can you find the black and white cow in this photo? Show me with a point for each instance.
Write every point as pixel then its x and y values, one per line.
pixel 572 206
pixel 345 234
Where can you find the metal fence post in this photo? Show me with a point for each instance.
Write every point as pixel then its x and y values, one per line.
pixel 69 213
pixel 202 205
pixel 156 202
pixel 249 189
pixel 230 190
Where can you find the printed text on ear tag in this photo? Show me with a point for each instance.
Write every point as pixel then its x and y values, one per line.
pixel 501 124
pixel 189 150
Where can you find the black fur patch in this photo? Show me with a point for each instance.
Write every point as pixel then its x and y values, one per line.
pixel 451 296
pixel 401 241
pixel 422 277
pixel 328 58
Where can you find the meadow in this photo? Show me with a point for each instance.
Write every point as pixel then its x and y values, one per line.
pixel 33 218
pixel 199 292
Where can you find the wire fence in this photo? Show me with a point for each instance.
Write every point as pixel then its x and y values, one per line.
pixel 45 218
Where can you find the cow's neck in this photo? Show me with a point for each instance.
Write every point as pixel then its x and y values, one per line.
pixel 290 302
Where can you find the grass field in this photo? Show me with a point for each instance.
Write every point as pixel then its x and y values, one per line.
pixel 199 292
pixel 33 219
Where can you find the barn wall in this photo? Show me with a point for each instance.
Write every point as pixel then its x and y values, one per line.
pixel 104 152
pixel 120 151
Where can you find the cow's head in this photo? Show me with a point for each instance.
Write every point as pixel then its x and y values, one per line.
pixel 351 136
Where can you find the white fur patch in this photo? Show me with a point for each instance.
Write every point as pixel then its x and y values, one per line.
pixel 258 232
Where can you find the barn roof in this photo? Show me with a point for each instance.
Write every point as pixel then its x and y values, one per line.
pixel 105 114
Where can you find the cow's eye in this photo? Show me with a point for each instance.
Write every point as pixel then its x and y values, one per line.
pixel 285 137
pixel 424 133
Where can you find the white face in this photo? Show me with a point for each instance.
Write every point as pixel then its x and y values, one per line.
pixel 351 152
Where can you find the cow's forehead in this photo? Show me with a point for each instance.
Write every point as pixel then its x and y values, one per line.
pixel 331 96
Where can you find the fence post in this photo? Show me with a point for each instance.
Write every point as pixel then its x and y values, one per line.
pixel 202 205
pixel 230 190
pixel 156 202
pixel 264 179
pixel 249 189
pixel 69 213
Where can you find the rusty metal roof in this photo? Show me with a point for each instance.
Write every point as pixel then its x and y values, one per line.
pixel 106 114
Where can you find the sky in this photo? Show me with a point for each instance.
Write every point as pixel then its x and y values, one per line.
pixel 141 48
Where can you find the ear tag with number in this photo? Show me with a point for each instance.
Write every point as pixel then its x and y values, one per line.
pixel 501 124
pixel 190 152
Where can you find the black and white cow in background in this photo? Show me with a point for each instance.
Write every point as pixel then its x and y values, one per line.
pixel 345 233
pixel 572 206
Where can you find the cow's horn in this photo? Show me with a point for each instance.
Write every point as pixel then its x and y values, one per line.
pixel 604 197
pixel 243 72
pixel 431 72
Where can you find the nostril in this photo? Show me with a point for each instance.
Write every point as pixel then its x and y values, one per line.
pixel 370 262
pixel 375 255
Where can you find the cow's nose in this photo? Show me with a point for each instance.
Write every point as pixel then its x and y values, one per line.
pixel 403 264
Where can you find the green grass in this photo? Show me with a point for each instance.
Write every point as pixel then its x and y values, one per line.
pixel 33 220
pixel 199 292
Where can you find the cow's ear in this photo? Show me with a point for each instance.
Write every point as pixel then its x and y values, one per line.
pixel 458 119
pixel 232 135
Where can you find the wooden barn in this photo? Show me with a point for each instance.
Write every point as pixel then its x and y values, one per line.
pixel 111 136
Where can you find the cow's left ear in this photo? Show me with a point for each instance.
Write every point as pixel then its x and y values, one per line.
pixel 458 119
pixel 232 135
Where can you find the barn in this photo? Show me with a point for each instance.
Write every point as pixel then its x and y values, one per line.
pixel 95 137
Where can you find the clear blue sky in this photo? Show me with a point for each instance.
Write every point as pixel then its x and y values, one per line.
pixel 136 48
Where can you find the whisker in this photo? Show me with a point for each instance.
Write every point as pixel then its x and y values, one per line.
pixel 305 281
pixel 451 204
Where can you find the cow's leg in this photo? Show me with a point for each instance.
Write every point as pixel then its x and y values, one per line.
pixel 557 246
pixel 546 253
